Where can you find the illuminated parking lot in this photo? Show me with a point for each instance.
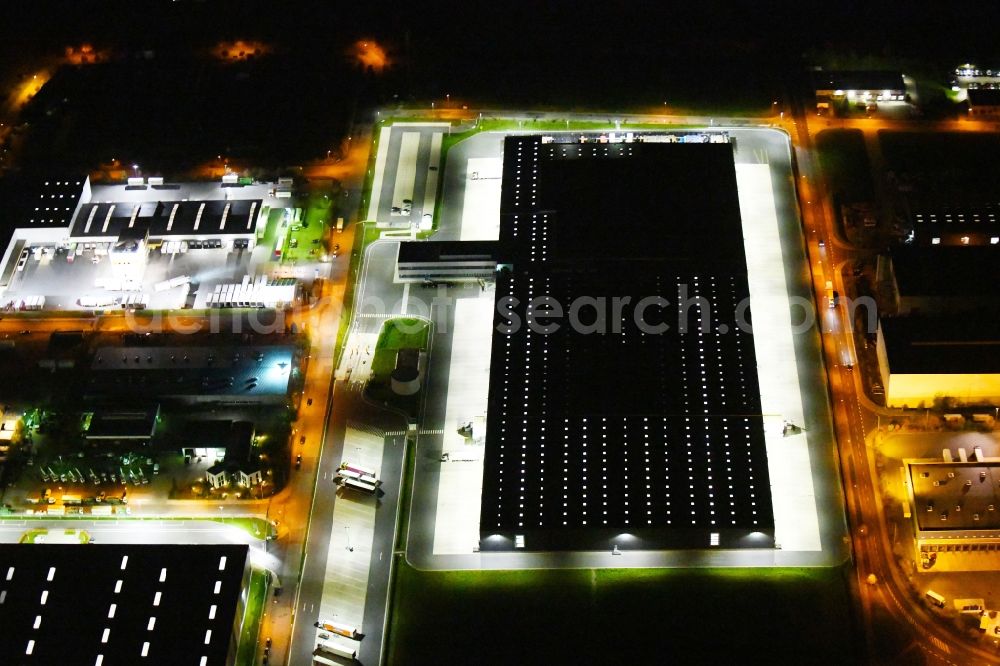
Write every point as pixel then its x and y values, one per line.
pixel 134 247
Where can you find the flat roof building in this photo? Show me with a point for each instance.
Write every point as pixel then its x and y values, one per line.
pixel 633 422
pixel 984 102
pixel 859 85
pixel 929 279
pixel 446 261
pixel 112 605
pixel 959 224
pixel 60 215
pixel 956 495
pixel 121 425
pixel 233 375
pixel 36 209
pixel 922 359
pixel 168 219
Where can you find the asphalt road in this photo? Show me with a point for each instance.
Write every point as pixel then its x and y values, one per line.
pixel 384 213
pixel 856 419
pixel 375 294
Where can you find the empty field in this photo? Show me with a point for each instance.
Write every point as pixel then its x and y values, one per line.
pixel 621 616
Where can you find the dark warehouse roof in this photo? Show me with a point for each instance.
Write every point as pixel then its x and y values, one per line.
pixel 592 433
pixel 106 604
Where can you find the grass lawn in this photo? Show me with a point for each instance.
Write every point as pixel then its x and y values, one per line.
pixel 41 535
pixel 246 652
pixel 255 527
pixel 621 616
pixel 948 164
pixel 844 159
pixel 274 217
pixel 31 535
pixel 315 220
pixel 397 333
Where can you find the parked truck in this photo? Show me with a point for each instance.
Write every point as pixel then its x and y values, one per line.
pixel 327 653
pixel 337 628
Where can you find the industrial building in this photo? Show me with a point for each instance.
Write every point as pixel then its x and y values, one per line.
pixel 255 375
pixel 934 280
pixel 984 102
pixel 965 224
pixel 60 212
pixel 858 87
pixel 122 425
pixel 968 77
pixel 111 605
pixel 446 261
pixel 211 223
pixel 70 246
pixel 923 359
pixel 955 508
pixel 579 455
pixel 957 495
pixel 36 210
pixel 941 287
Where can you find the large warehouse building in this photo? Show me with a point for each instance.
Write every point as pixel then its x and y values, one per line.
pixel 943 279
pixel 111 605
pixel 942 287
pixel 924 359
pixel 61 212
pixel 636 420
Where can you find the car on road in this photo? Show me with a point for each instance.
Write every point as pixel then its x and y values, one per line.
pixel 309 402
pixel 302 439
pixel 298 461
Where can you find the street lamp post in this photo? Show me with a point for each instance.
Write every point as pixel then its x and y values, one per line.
pixel 347 528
